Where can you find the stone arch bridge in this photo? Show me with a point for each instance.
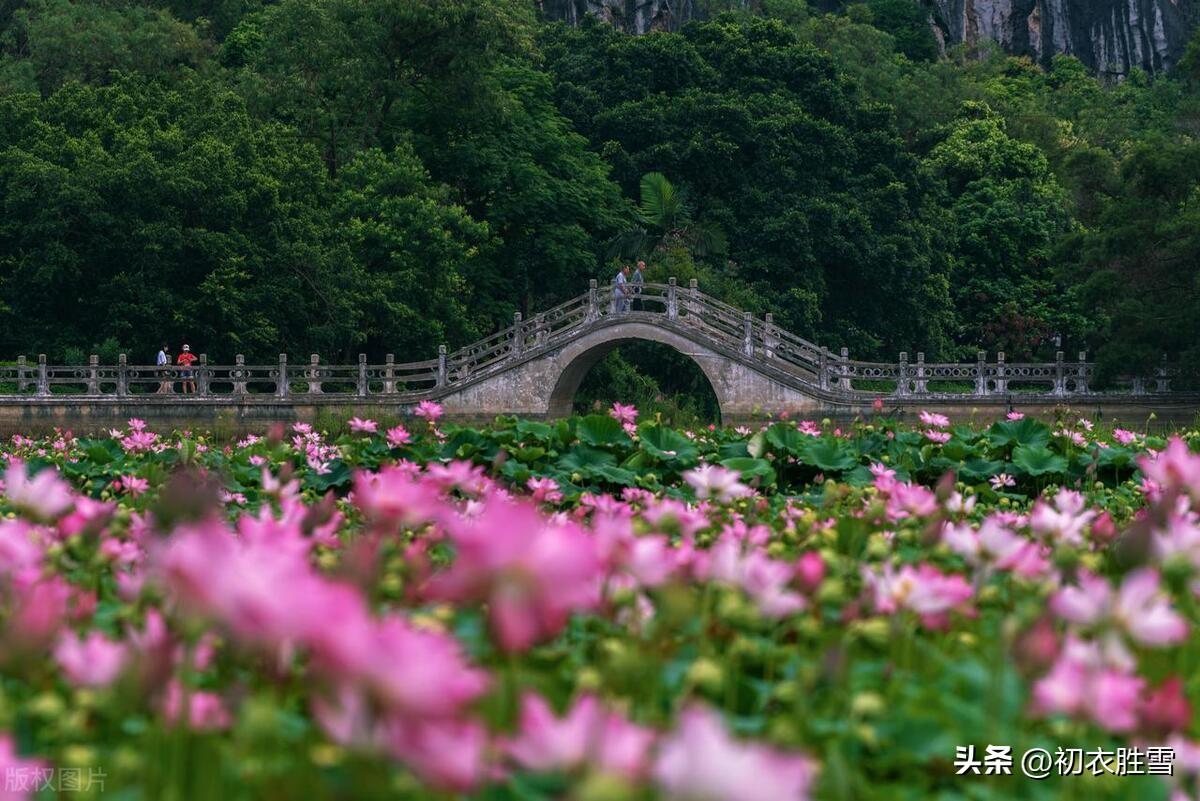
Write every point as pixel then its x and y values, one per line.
pixel 534 367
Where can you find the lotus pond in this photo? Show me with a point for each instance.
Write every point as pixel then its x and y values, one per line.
pixel 602 608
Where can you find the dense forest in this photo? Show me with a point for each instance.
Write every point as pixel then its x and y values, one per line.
pixel 340 176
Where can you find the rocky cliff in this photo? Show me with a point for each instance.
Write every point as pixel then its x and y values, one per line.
pixel 1110 36
pixel 632 16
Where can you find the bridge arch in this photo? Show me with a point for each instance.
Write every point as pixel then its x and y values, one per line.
pixel 577 359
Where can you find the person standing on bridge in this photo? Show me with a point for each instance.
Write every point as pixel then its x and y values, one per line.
pixel 621 289
pixel 163 361
pixel 187 375
pixel 636 283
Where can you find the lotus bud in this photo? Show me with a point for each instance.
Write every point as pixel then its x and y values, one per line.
pixel 867 705
pixel 706 674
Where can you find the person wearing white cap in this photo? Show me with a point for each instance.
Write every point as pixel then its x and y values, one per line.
pixel 187 376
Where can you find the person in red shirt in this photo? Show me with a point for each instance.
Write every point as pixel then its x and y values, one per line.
pixel 188 377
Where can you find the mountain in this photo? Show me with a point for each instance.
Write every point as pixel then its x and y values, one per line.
pixel 1110 36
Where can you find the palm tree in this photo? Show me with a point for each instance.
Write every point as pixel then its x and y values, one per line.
pixel 665 218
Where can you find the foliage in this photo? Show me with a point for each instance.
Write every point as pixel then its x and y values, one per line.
pixel 438 610
pixel 200 167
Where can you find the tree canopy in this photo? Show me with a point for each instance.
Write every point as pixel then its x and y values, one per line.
pixel 334 176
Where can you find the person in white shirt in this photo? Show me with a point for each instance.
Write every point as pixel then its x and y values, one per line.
pixel 621 289
pixel 163 361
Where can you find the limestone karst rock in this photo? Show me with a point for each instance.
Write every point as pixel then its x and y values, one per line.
pixel 1110 36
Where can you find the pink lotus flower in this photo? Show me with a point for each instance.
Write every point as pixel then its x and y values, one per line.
pixel 1139 608
pixel 393 496
pixel 1063 521
pixel 450 755
pixel 44 497
pixel 40 610
pixel 1176 468
pixel 429 411
pixel 359 426
pixel 416 673
pixel 935 420
pixel 716 482
pixel 624 414
pixel 398 436
pixel 699 761
pixel 20 547
pixel 140 442
pixel 133 485
pixel 530 572
pixel 1124 437
pixel 809 428
pixel 545 490
pixel 1165 709
pixel 938 437
pixel 1002 480
pixel 260 587
pixel 924 589
pixel 909 500
pixel 1083 684
pixel 23 778
pixel 995 545
pixel 206 710
pixel 765 580
pixel 586 735
pixel 1014 416
pixel 810 570
pixel 93 661
pixel 136 424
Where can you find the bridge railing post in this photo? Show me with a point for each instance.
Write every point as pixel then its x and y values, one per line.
pixel 1060 383
pixel 281 384
pixel 441 368
pixel 770 336
pixel 518 335
pixel 43 378
pixel 1162 383
pixel 823 368
pixel 747 334
pixel 122 375
pixel 1081 376
pixel 593 309
pixel 314 374
pixel 922 387
pixel 389 374
pixel 902 375
pixel 202 376
pixel 981 373
pixel 239 375
pixel 93 382
pixel 1001 374
pixel 22 380
pixel 693 307
pixel 672 299
pixel 844 378
pixel 362 376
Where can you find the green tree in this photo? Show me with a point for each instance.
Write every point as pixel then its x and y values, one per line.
pixel 665 219
pixel 139 212
pixel 1003 212
pixel 414 247
pixel 1138 266
pixel 824 208
pixel 50 42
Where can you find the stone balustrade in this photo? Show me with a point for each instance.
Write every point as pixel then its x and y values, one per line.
pixel 740 336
